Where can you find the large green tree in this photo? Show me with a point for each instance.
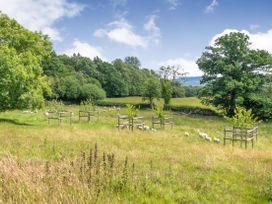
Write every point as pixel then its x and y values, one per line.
pixel 234 74
pixel 151 91
pixel 22 83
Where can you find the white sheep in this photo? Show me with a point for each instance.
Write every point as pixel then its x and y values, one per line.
pixel 216 140
pixel 146 127
pixel 208 138
pixel 140 127
pixel 202 134
pixel 187 134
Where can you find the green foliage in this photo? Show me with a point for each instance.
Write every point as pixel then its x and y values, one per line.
pixel 132 111
pixel 117 79
pixel 92 92
pixel 22 83
pixel 133 61
pixel 111 80
pixel 178 89
pixel 192 91
pixel 151 90
pixel 191 110
pixel 243 118
pixel 234 74
pixel 166 91
pixel 159 111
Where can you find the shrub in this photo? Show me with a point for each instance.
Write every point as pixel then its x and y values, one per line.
pixel 166 91
pixel 92 92
pixel 132 110
pixel 243 118
pixel 159 111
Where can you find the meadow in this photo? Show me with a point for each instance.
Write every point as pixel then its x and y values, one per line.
pixel 189 101
pixel 97 163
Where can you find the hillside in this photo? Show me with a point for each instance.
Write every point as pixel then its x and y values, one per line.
pixel 191 81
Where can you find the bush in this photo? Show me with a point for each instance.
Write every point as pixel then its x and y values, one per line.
pixel 92 92
pixel 159 111
pixel 243 118
pixel 132 110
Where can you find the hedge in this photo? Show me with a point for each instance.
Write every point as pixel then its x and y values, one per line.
pixel 121 104
pixel 192 110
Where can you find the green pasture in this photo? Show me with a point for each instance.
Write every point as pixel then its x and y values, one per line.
pixel 171 167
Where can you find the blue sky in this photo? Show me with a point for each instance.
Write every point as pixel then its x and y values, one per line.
pixel 158 32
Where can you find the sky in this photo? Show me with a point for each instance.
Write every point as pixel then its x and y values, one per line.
pixel 158 32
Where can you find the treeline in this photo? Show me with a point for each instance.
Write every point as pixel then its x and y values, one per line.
pixel 79 78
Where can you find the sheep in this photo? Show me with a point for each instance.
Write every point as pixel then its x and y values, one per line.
pixel 146 127
pixel 202 134
pixel 216 140
pixel 140 127
pixel 208 138
pixel 28 111
pixel 186 134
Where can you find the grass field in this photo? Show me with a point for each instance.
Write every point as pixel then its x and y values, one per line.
pixel 190 101
pixel 51 163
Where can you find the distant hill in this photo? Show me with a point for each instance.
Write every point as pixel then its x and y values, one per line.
pixel 191 81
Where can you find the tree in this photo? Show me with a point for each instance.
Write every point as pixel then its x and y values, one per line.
pixel 178 89
pixel 234 74
pixel 171 72
pixel 151 90
pixel 22 83
pixel 111 80
pixel 133 61
pixel 92 92
pixel 166 91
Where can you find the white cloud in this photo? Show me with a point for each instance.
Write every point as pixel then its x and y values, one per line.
pixel 210 8
pixel 173 4
pixel 100 33
pixel 188 66
pixel 84 49
pixel 122 31
pixel 254 26
pixel 40 15
pixel 259 40
pixel 151 27
pixel 126 36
